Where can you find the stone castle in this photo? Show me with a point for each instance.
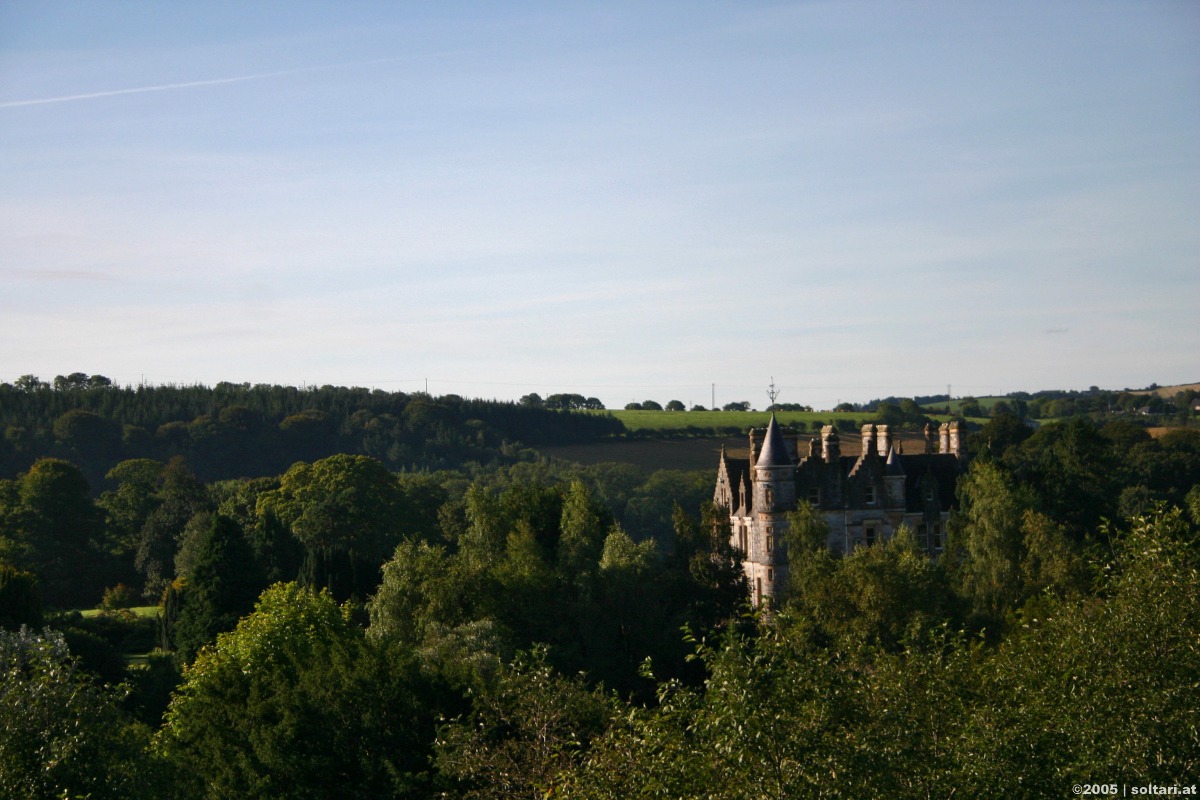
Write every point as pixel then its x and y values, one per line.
pixel 863 498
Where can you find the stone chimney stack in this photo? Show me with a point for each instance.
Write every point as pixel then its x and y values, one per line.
pixel 868 439
pixel 930 438
pixel 831 444
pixel 958 439
pixel 885 441
pixel 944 438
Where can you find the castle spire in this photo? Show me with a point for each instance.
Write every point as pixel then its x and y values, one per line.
pixel 774 450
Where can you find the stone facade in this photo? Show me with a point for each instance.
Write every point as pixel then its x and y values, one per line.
pixel 863 498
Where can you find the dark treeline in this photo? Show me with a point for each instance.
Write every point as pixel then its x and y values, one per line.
pixel 541 629
pixel 243 430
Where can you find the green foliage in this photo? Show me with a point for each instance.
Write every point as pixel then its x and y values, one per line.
pixel 20 598
pixel 524 727
pixel 238 430
pixel 63 736
pixel 985 543
pixel 886 596
pixel 296 702
pixel 348 512
pixel 178 497
pixel 53 529
pixel 222 587
pixel 538 564
pixel 734 422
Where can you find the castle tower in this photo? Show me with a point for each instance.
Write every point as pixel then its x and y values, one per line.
pixel 774 496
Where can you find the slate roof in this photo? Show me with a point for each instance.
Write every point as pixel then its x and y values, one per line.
pixel 774 450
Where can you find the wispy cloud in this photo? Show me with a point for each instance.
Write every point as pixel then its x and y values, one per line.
pixel 166 87
pixel 59 275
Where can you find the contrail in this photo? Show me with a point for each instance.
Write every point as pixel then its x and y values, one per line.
pixel 164 87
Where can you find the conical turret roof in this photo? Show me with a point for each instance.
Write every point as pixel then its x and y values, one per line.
pixel 774 451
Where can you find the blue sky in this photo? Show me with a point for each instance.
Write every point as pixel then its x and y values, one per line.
pixel 625 200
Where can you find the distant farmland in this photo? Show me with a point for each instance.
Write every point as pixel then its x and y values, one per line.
pixel 699 452
pixel 714 422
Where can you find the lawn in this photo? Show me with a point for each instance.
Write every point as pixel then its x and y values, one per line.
pixel 141 611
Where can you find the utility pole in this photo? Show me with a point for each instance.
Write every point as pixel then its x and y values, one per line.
pixel 714 397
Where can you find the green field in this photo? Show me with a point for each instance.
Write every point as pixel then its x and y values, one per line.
pixel 141 611
pixel 721 421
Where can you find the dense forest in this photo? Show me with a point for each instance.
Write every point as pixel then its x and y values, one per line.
pixel 429 610
pixel 244 431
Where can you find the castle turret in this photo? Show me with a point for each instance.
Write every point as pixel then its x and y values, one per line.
pixel 774 473
pixel 774 497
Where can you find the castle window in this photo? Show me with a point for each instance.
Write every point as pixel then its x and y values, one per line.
pixel 923 534
pixel 937 536
pixel 870 533
pixel 770 575
pixel 869 494
pixel 814 496
pixel 770 498
pixel 770 542
pixel 930 494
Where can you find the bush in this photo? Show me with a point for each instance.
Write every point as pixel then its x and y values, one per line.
pixel 119 596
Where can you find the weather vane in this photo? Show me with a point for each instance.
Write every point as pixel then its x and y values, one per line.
pixel 772 392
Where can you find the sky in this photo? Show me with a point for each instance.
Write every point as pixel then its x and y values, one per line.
pixel 624 200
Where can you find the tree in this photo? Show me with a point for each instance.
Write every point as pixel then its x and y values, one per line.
pixel 741 405
pixel 523 730
pixel 296 702
pixel 180 496
pixel 222 586
pixel 1106 685
pixel 986 539
pixel 651 405
pixel 128 507
pixel 582 527
pixel 1000 433
pixel 970 407
pixel 348 512
pixel 30 383
pixel 676 405
pixel 63 736
pixel 20 598
pixel 60 527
